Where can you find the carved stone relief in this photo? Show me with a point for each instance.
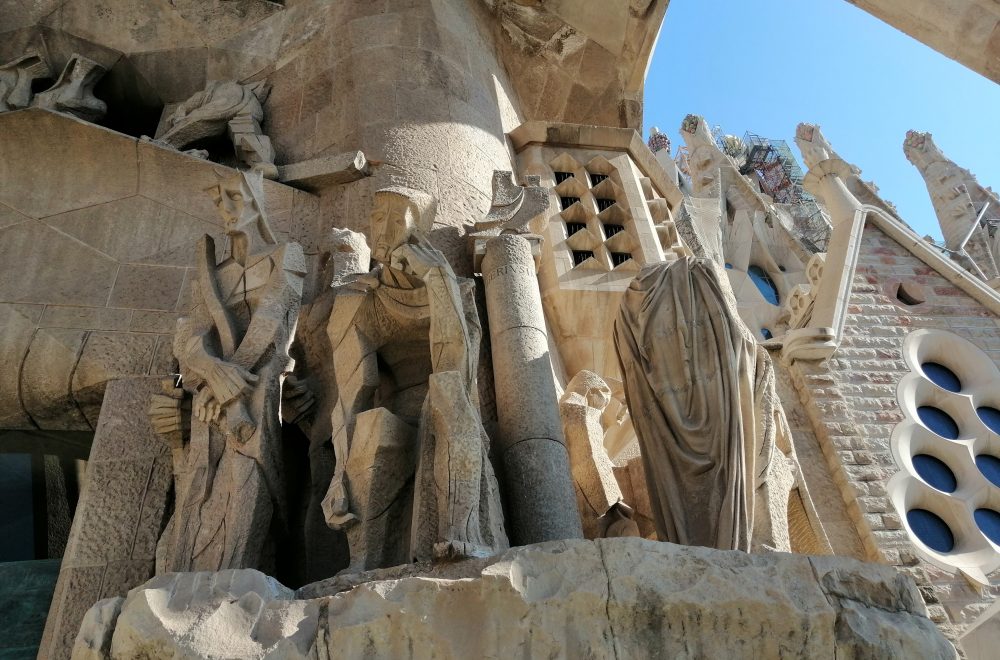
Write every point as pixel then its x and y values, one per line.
pixel 225 107
pixel 16 78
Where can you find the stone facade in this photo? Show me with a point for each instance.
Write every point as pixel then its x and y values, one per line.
pixel 357 295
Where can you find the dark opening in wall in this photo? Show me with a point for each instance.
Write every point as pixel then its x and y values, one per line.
pixel 908 294
pixel 579 256
pixel 41 476
pixel 603 203
pixel 567 202
pixel 597 178
pixel 562 176
pixel 618 258
pixel 766 333
pixel 134 106
pixel 611 230
pixel 573 227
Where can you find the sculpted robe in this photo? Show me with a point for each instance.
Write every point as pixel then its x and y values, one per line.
pixel 695 381
pixel 229 490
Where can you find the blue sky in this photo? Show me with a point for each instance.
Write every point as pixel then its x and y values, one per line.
pixel 765 65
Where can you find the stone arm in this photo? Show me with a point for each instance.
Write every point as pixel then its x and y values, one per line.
pixel 355 367
pixel 451 343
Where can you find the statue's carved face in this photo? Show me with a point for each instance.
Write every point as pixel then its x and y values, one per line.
pixel 235 205
pixel 391 224
pixel 592 388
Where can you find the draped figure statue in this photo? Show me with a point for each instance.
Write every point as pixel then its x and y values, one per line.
pixel 232 349
pixel 701 396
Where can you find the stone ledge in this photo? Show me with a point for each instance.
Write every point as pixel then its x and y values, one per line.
pixel 612 598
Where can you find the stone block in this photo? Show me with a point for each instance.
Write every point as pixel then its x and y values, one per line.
pixel 147 287
pixel 120 514
pixel 38 180
pixel 612 598
pixel 51 267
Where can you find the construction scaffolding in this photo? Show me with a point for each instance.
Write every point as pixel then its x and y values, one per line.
pixel 777 171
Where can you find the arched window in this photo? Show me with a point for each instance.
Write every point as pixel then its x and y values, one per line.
pixel 764 284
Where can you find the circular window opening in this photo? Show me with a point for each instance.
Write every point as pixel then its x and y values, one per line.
pixel 935 472
pixel 990 417
pixel 988 521
pixel 942 376
pixel 938 421
pixel 989 465
pixel 908 294
pixel 766 334
pixel 729 266
pixel 931 530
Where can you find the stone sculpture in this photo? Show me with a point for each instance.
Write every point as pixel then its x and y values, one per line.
pixel 73 92
pixel 233 352
pixel 602 509
pixel 405 343
pixel 16 78
pixel 225 106
pixel 701 393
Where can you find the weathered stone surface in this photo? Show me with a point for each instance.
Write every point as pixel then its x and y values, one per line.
pixel 119 515
pixel 611 598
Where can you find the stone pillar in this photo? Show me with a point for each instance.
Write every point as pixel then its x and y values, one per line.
pixel 541 505
pixel 121 512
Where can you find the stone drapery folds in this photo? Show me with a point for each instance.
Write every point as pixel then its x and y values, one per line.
pixel 696 383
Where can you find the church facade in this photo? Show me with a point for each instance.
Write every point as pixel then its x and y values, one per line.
pixel 377 329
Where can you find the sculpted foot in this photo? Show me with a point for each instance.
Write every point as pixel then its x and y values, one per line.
pixel 453 550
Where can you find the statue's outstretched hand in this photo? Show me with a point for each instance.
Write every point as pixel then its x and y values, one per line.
pixel 228 381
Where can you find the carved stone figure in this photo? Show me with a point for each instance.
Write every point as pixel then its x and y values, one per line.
pixel 602 509
pixel 701 394
pixel 16 77
pixel 225 106
pixel 405 343
pixel 233 353
pixel 74 90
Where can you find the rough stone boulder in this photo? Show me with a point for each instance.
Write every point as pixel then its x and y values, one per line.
pixel 610 598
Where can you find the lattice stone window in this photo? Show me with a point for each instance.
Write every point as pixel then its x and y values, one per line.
pixel 600 228
pixel 947 492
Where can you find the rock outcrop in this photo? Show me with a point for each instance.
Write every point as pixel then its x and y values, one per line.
pixel 610 598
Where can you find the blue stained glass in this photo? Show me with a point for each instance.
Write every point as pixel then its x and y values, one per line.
pixel 766 334
pixel 989 523
pixel 990 467
pixel 935 472
pixel 729 266
pixel 931 530
pixel 938 421
pixel 764 284
pixel 990 417
pixel 942 376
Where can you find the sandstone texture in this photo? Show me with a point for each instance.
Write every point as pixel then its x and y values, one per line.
pixel 610 598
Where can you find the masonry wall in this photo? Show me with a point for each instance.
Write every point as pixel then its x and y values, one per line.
pixel 852 402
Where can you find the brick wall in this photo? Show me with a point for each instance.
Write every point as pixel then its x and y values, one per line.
pixel 851 401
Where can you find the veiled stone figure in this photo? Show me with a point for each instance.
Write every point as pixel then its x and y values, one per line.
pixel 233 352
pixel 697 387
